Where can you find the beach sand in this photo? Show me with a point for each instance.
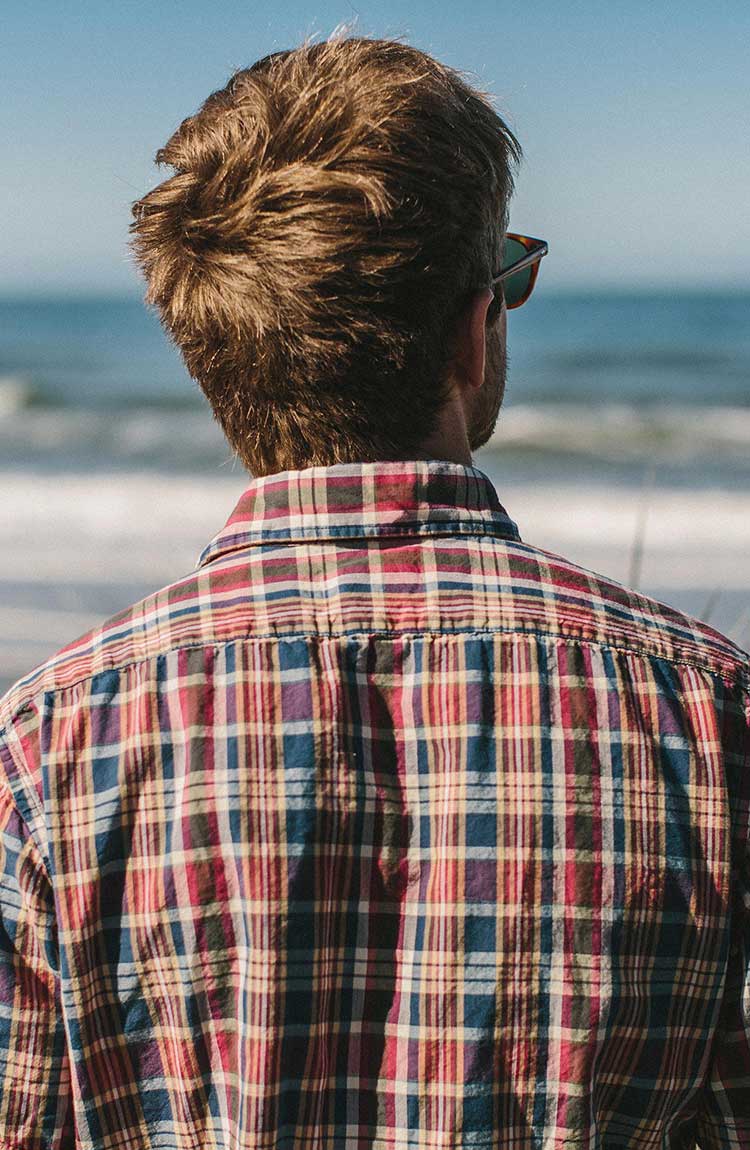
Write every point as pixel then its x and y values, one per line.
pixel 76 548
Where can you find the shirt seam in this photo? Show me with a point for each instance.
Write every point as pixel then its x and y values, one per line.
pixel 738 676
pixel 5 783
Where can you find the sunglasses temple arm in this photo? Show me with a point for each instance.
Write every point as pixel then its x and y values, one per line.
pixel 519 266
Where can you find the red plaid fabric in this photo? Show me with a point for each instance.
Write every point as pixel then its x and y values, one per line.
pixel 381 828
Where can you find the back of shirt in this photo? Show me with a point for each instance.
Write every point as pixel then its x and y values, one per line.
pixel 383 828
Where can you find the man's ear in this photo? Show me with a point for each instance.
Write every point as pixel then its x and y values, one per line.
pixel 470 343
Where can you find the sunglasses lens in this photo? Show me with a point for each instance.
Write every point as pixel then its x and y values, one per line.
pixel 515 286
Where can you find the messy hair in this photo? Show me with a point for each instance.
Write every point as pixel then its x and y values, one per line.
pixel 331 210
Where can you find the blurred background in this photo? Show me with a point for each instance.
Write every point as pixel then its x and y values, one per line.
pixel 624 441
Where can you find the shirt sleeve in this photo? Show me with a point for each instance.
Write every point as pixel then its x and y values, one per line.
pixel 724 1118
pixel 36 1110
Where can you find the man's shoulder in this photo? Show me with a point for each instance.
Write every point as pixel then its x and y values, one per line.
pixel 136 633
pixel 585 604
pixel 551 595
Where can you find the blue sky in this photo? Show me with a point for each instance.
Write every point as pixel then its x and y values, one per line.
pixel 633 117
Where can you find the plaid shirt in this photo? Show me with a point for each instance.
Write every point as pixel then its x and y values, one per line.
pixel 381 828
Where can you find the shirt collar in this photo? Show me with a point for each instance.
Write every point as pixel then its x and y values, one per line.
pixel 363 500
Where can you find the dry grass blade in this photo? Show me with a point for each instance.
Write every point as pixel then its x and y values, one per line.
pixel 739 632
pixel 708 610
pixel 636 555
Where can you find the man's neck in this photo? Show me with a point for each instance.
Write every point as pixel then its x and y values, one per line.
pixel 450 439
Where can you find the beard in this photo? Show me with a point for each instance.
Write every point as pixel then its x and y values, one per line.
pixel 489 398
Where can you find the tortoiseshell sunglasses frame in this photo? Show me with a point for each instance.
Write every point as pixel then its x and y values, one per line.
pixel 535 249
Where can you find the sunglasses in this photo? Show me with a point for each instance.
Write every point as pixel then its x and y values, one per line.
pixel 521 258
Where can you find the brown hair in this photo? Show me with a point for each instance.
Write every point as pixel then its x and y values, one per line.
pixel 331 210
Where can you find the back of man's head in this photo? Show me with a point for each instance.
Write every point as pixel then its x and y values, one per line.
pixel 332 209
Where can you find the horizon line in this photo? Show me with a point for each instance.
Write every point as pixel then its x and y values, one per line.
pixel 82 295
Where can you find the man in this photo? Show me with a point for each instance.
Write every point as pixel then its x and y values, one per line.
pixel 381 827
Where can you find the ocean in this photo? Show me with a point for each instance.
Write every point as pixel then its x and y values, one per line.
pixel 598 384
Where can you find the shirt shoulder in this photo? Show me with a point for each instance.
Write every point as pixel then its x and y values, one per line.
pixel 586 603
pixel 500 584
pixel 135 633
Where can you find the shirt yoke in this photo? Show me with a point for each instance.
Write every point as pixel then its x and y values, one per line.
pixel 445 584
